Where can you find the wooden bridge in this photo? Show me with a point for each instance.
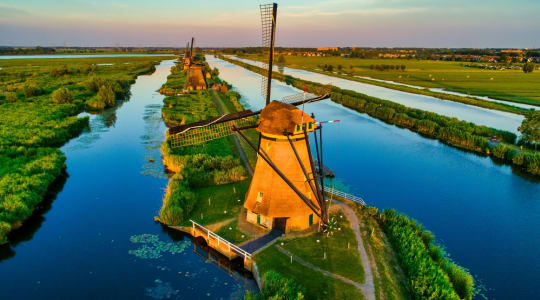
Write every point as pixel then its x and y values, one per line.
pixel 331 191
pixel 221 245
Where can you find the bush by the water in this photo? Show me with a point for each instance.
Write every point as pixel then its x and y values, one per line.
pixel 277 287
pixel 431 274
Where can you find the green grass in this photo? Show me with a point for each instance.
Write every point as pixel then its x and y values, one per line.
pixel 31 122
pixel 232 234
pixel 390 281
pixel 511 85
pixel 25 175
pixel 206 171
pixel 224 202
pixel 339 258
pixel 317 285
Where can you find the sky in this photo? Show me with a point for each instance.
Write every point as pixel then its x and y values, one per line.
pixel 300 23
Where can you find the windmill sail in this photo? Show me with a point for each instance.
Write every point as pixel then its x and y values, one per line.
pixel 211 129
pixel 308 95
pixel 268 19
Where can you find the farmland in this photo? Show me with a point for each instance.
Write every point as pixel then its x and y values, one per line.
pixel 510 85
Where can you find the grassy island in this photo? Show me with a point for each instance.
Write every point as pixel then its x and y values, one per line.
pixel 209 183
pixel 39 103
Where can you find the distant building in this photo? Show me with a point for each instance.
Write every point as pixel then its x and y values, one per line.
pixel 512 51
pixel 328 49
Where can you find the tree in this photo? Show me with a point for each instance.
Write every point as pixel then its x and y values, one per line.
pixel 281 59
pixel 530 129
pixel 62 95
pixel 528 67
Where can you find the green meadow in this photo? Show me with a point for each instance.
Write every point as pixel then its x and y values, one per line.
pixel 39 103
pixel 510 85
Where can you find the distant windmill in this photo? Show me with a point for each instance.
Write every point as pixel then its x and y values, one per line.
pixel 196 77
pixel 286 189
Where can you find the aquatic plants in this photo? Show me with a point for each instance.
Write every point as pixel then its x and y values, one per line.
pixel 153 248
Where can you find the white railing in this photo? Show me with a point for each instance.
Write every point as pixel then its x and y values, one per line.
pixel 333 191
pixel 210 234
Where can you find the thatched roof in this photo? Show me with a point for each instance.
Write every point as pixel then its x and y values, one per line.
pixel 278 117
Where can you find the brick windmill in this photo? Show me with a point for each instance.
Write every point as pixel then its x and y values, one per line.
pixel 286 189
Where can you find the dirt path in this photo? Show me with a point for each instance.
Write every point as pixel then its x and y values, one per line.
pixel 368 288
pixel 222 109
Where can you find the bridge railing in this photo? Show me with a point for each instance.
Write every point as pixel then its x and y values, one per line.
pixel 333 191
pixel 211 235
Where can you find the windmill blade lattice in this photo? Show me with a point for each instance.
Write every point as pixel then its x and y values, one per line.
pixel 308 96
pixel 209 130
pixel 268 30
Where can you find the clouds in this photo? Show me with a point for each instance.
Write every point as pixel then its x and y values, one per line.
pixel 442 23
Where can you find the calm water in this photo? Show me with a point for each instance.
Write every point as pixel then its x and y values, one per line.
pixel 97 238
pixel 487 216
pixel 481 116
pixel 78 55
pixel 440 90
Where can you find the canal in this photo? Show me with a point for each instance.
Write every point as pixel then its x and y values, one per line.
pixel 483 213
pixel 478 115
pixel 96 238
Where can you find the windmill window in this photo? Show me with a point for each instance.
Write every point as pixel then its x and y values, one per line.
pixel 297 127
pixel 260 197
pixel 310 124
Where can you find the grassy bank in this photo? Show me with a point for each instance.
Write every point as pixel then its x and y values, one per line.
pixel 209 178
pixel 431 274
pixel 39 103
pixel 509 85
pixel 390 280
pixel 460 134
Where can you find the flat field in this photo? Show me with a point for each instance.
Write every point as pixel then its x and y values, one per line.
pixel 510 85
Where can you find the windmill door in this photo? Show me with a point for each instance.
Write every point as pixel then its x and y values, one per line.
pixel 280 223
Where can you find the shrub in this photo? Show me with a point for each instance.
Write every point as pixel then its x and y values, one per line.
pixel 518 159
pixel 31 89
pixel 500 151
pixel 94 84
pixel 62 95
pixel 106 95
pixel 430 272
pixel 277 287
pixel 11 97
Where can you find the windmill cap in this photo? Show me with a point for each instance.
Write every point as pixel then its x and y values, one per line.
pixel 278 117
